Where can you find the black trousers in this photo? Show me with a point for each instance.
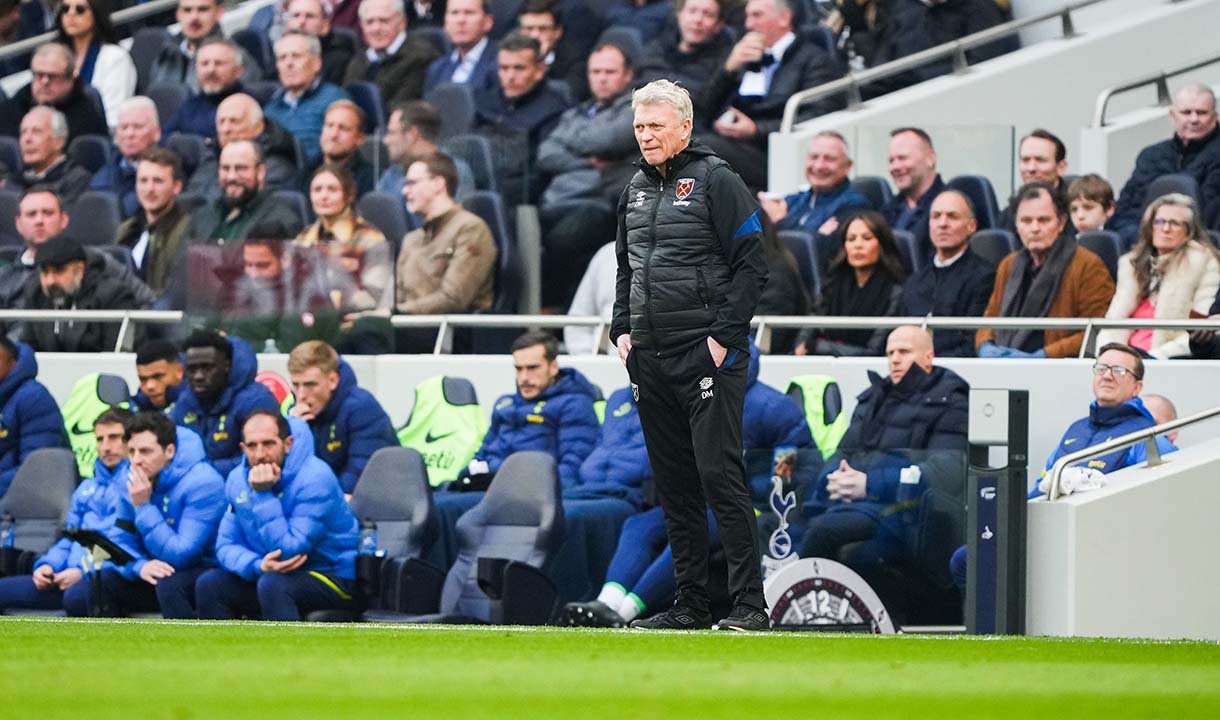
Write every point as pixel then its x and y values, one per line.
pixel 690 411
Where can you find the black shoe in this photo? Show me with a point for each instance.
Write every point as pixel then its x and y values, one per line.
pixel 591 614
pixel 676 618
pixel 745 618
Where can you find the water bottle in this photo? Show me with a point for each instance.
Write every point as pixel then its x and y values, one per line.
pixel 7 535
pixel 368 538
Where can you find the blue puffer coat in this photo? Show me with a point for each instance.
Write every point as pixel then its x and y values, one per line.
pixel 220 425
pixel 92 508
pixel 142 403
pixel 925 411
pixel 1103 424
pixel 619 465
pixel 178 524
pixel 303 513
pixel 29 417
pixel 560 421
pixel 350 429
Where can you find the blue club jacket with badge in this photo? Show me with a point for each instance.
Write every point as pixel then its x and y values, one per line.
pixel 178 524
pixel 220 425
pixel 350 429
pixel 303 513
pixel 29 417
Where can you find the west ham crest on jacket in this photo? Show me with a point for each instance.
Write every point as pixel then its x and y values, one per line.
pixel 685 187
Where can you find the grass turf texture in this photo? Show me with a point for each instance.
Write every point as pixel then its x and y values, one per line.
pixel 128 669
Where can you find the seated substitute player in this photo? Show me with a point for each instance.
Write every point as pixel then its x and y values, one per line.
pixel 159 370
pixel 288 545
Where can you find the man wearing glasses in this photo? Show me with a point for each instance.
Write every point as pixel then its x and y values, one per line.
pixel 1118 378
pixel 53 83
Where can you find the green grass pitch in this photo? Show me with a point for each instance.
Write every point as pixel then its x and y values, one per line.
pixel 138 670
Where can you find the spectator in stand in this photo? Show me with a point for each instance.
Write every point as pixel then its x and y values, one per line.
pixel 411 132
pixel 54 83
pixel 138 130
pixel 474 57
pixel 44 137
pixel 289 545
pixel 1050 276
pixel 744 101
pixel 864 278
pixel 1172 273
pixel 314 17
pixel 245 199
pixel 68 279
pixel 92 507
pixel 220 394
pixel 85 26
pixel 347 422
pixel 565 63
pixel 166 516
pixel 10 32
pixel 913 168
pixel 830 197
pixel 1090 202
pixel 31 417
pixel 304 95
pixel 395 60
pixel 159 370
pixel 359 254
pixel 448 265
pixel 198 22
pixel 155 234
pixel 218 74
pixel 648 17
pixel 342 136
pixel 1041 157
pixel 551 411
pixel 517 114
pixel 958 282
pixel 40 216
pixel 587 157
pixel 239 117
pixel 1193 150
pixel 692 55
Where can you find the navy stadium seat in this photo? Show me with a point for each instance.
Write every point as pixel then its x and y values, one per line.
pixel 386 213
pixel 509 273
pixel 993 245
pixel 168 97
pixel 96 217
pixel 368 97
pixel 92 152
pixel 1106 244
pixel 875 188
pixel 982 196
pixel 476 151
pixel 455 104
pixel 801 245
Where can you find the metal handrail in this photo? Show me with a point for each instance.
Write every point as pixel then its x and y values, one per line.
pixel 118 18
pixel 1160 79
pixel 128 318
pixel 1147 436
pixel 956 49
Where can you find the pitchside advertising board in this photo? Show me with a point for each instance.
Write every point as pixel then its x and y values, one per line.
pixel 814 593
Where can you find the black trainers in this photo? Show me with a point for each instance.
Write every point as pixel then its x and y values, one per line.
pixel 676 618
pixel 591 614
pixel 745 618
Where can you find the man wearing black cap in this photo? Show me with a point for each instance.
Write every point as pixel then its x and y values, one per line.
pixel 68 279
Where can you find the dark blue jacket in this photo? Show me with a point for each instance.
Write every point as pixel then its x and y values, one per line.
pixel 1103 424
pixel 619 465
pixel 926 411
pixel 350 429
pixel 303 513
pixel 560 421
pixel 484 77
pixel 197 114
pixel 770 419
pixel 119 178
pixel 220 425
pixel 1199 158
pixel 916 220
pixel 29 417
pixel 92 507
pixel 808 211
pixel 142 402
pixel 178 524
pixel 962 289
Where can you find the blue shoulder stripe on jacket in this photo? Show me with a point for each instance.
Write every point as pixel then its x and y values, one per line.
pixel 751 225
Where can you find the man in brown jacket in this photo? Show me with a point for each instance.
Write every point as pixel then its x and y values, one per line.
pixel 1049 277
pixel 448 265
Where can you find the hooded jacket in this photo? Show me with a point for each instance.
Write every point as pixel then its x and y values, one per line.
pixel 560 421
pixel 618 466
pixel 350 429
pixel 92 507
pixel 303 513
pixel 178 523
pixel 29 417
pixel 220 423
pixel 142 403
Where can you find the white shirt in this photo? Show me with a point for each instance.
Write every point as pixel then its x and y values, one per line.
pixel 378 55
pixel 937 262
pixel 141 247
pixel 756 83
pixel 461 74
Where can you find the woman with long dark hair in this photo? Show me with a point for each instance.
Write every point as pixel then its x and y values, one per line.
pixel 865 279
pixel 84 26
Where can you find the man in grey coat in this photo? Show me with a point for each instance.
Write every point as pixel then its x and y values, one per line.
pixel 587 157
